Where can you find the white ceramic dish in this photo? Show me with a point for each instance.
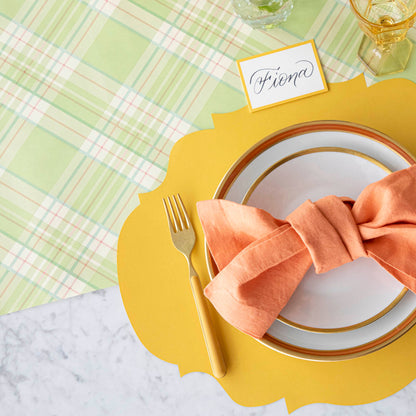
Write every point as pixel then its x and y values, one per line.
pixel 358 307
pixel 351 295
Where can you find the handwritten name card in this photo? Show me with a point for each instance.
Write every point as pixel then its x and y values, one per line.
pixel 283 75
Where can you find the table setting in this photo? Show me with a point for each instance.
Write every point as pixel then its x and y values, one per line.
pixel 208 208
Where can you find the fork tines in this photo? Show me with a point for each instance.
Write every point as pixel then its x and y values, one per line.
pixel 176 213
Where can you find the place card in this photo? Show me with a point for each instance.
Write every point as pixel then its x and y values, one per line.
pixel 282 75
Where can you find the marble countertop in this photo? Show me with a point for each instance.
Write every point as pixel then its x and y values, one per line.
pixel 81 357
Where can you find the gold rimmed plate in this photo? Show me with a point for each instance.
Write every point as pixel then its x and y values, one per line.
pixel 278 189
pixel 355 308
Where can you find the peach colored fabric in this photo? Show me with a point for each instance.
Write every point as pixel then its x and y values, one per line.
pixel 261 259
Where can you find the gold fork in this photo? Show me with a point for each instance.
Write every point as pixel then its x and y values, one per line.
pixel 183 237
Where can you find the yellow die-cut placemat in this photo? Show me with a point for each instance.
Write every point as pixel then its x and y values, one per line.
pixel 154 280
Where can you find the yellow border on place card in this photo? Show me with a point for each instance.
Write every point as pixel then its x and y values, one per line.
pixel 290 99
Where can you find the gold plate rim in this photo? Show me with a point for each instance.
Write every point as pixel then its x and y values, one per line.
pixel 304 152
pixel 261 146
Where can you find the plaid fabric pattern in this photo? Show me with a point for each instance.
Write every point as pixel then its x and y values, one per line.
pixel 93 95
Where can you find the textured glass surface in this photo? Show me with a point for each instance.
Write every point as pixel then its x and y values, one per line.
pixel 385 48
pixel 263 14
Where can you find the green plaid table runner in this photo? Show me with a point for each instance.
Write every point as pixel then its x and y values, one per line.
pixel 93 95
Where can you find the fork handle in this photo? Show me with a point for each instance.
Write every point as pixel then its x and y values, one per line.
pixel 215 355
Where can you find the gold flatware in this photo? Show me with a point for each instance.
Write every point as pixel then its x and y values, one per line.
pixel 183 238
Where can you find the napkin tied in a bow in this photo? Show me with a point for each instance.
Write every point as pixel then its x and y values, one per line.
pixel 261 259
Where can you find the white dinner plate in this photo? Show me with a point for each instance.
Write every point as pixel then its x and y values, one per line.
pixel 353 309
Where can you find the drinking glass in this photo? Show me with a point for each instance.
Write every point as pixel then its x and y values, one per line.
pixel 385 48
pixel 263 14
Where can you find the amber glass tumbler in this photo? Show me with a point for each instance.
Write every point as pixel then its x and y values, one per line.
pixel 385 48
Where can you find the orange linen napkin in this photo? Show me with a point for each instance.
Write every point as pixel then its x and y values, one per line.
pixel 261 260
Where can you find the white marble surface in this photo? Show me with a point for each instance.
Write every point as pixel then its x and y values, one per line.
pixel 81 357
